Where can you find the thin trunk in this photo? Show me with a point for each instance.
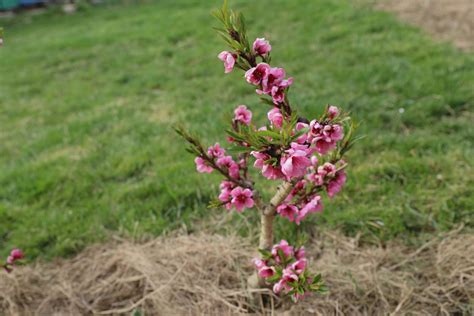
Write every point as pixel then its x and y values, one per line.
pixel 268 214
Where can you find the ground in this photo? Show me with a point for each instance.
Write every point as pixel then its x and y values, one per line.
pixel 203 274
pixel 451 20
pixel 88 102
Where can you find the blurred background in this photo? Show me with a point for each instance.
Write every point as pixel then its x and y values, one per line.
pixel 89 92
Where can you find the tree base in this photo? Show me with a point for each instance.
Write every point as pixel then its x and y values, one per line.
pixel 263 299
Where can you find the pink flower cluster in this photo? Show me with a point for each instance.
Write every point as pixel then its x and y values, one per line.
pixel 269 80
pixel 235 196
pixel 305 197
pixel 231 194
pixel 285 268
pixel 15 255
pixel 261 47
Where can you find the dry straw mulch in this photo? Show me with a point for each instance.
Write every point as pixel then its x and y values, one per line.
pixel 451 20
pixel 205 275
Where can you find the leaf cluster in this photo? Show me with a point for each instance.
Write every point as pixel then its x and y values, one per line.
pixel 234 33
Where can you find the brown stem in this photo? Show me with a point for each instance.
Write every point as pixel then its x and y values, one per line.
pixel 268 214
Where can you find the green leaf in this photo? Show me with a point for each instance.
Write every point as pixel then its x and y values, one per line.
pixel 265 253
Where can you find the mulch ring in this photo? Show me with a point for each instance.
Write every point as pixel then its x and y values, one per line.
pixel 206 275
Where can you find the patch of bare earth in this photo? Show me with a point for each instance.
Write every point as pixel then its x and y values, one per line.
pixel 206 275
pixel 450 20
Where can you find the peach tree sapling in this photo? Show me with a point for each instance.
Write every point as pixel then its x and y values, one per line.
pixel 306 156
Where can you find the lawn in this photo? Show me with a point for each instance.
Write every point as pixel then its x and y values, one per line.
pixel 88 101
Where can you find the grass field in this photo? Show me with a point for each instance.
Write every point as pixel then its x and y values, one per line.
pixel 87 104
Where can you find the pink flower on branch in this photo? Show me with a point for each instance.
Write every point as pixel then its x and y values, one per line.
pixel 229 60
pixel 15 255
pixel 216 151
pixel 333 111
pixel 256 74
pixel 268 170
pixel 266 272
pixel 242 115
pixel 274 77
pixel 325 136
pixel 242 198
pixel 202 166
pixel 287 210
pixel 314 205
pixel 335 185
pixel 261 47
pixel 275 117
pixel 285 248
pixel 295 162
pixel 278 91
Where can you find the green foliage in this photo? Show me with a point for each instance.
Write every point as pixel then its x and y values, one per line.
pixel 88 102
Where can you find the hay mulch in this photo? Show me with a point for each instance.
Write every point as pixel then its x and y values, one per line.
pixel 451 20
pixel 205 275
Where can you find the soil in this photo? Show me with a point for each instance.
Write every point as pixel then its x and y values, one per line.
pixel 447 20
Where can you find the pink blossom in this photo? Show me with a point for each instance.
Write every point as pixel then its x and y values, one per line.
pixel 325 136
pixel 266 272
pixel 333 111
pixel 16 254
pixel 216 151
pixel 224 196
pixel 230 164
pixel 259 263
pixel 299 266
pixel 278 91
pixel 317 179
pixel 268 171
pixel 10 260
pixel 242 115
pixel 242 198
pixel 226 185
pixel 287 210
pixel 300 253
pixel 284 247
pixel 295 162
pixel 279 286
pixel 299 126
pixel 312 206
pixel 272 173
pixel 201 165
pixel 256 74
pixel 229 60
pixel 260 159
pixel 328 169
pixel 275 116
pixel 273 78
pixel 336 184
pixel 261 46
pixel 289 275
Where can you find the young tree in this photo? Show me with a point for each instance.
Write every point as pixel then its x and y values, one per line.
pixel 306 156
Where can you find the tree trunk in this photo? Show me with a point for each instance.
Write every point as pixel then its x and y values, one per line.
pixel 266 225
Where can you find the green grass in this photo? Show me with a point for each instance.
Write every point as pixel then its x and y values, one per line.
pixel 87 103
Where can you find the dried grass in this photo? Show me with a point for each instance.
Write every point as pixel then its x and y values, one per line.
pixel 205 274
pixel 451 20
